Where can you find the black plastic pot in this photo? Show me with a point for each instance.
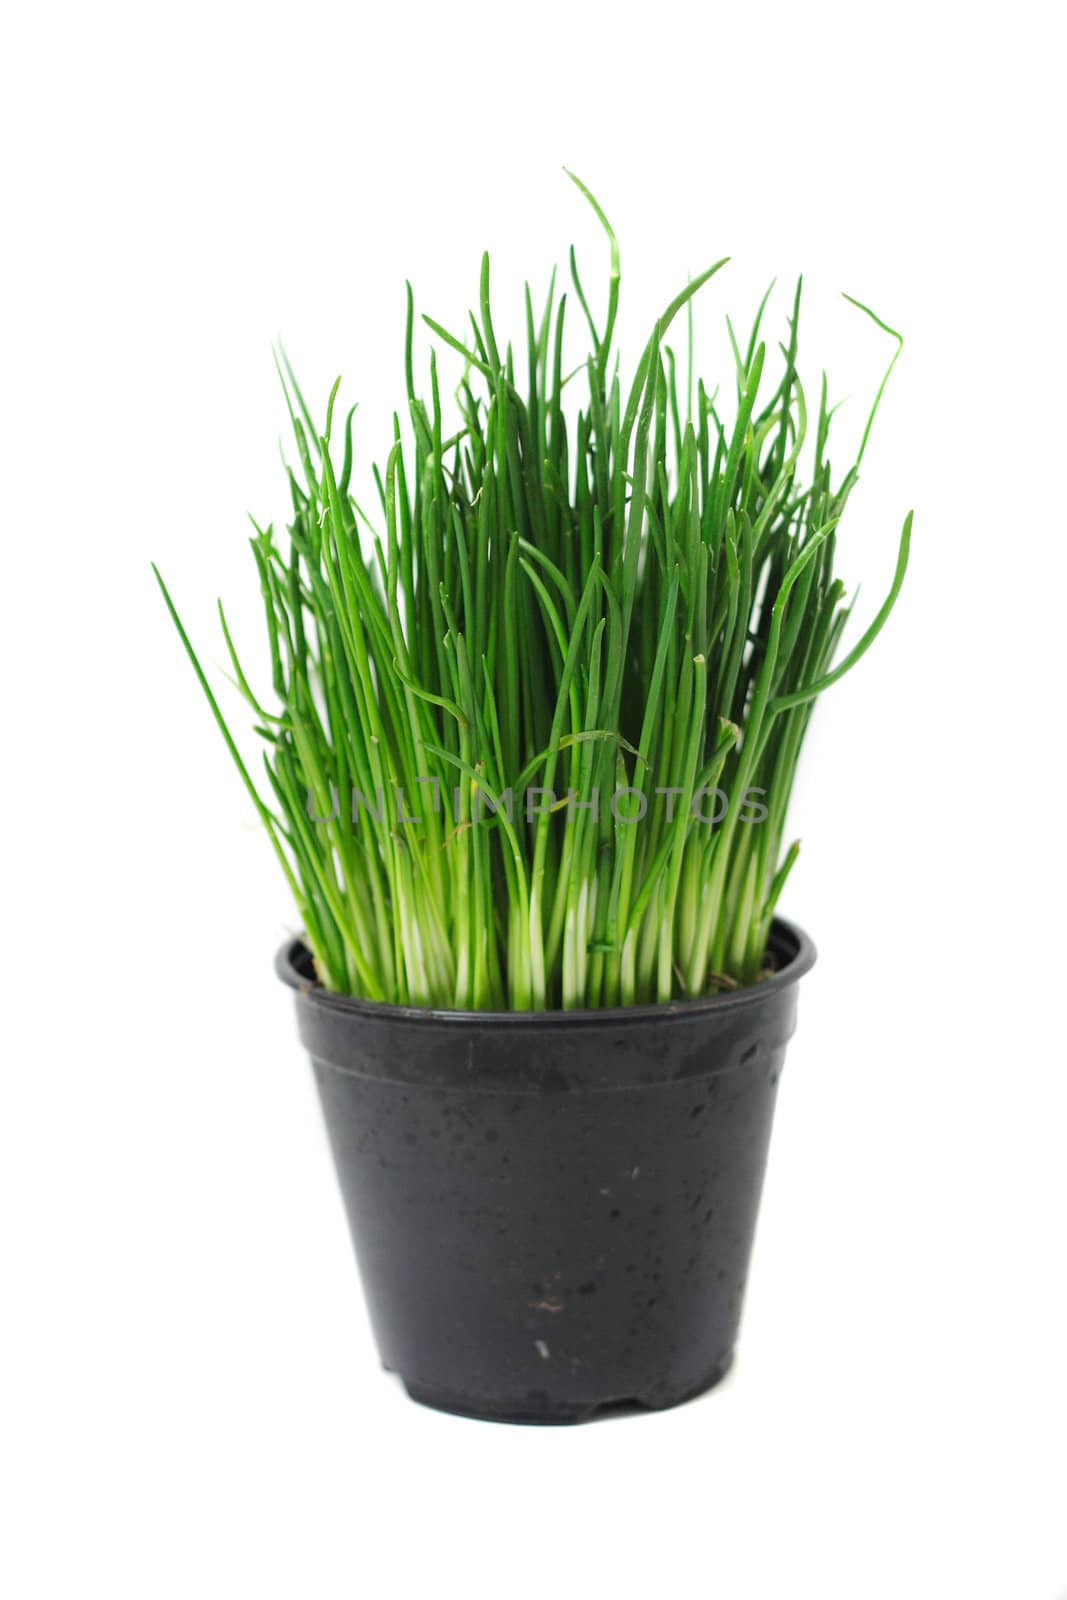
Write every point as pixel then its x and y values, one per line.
pixel 553 1212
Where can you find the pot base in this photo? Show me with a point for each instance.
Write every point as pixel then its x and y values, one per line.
pixel 538 1409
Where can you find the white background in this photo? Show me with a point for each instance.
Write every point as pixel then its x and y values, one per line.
pixel 191 1405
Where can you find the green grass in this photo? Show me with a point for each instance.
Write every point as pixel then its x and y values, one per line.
pixel 569 584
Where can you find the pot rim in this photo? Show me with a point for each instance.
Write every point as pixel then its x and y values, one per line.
pixel 786 940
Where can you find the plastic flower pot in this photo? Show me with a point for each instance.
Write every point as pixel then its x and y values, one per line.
pixel 553 1212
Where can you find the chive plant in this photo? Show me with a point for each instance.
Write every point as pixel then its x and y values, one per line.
pixel 535 722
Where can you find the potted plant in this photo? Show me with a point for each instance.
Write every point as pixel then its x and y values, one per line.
pixel 528 755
